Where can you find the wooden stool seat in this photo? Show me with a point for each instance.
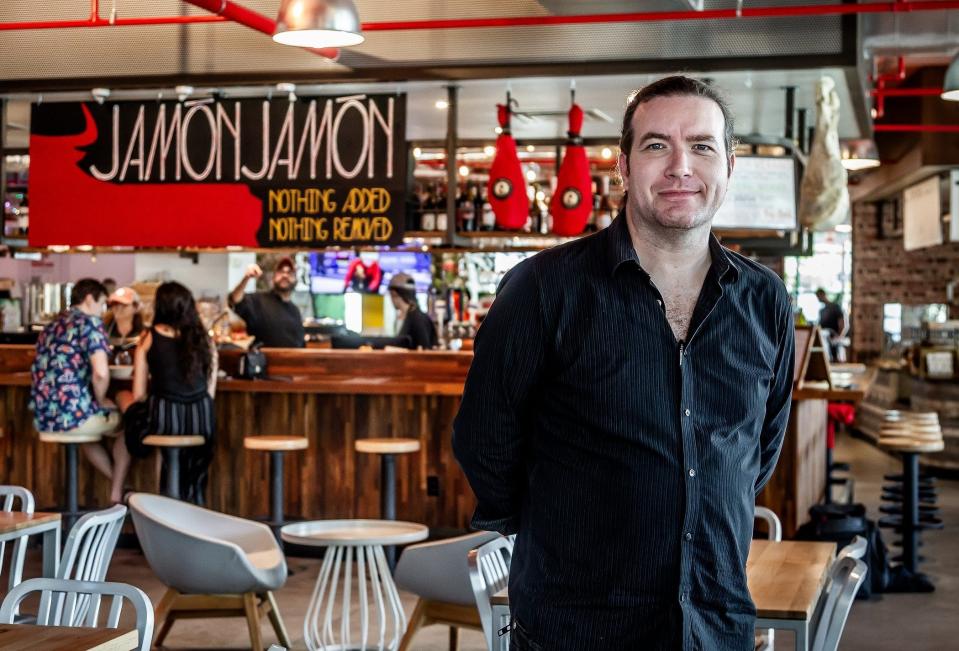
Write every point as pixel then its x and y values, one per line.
pixel 173 440
pixel 276 443
pixel 899 444
pixel 67 437
pixel 387 446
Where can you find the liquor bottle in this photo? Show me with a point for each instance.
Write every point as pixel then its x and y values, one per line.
pixel 606 209
pixel 464 210
pixel 428 221
pixel 441 214
pixel 544 217
pixel 489 217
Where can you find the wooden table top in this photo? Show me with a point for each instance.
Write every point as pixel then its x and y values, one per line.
pixel 24 637
pixel 785 578
pixel 15 520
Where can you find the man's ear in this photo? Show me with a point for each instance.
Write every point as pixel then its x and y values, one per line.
pixel 623 167
pixel 732 164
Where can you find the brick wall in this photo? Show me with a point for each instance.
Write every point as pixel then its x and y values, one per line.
pixel 884 272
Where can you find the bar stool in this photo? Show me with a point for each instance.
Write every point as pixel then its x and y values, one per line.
pixel 70 443
pixel 276 446
pixel 910 436
pixel 388 448
pixel 170 445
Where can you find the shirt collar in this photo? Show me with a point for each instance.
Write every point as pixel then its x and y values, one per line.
pixel 620 250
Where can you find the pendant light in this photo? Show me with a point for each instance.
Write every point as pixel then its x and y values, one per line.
pixel 859 154
pixel 950 87
pixel 318 23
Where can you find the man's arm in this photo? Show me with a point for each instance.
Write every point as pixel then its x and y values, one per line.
pixel 236 296
pixel 488 433
pixel 100 380
pixel 780 397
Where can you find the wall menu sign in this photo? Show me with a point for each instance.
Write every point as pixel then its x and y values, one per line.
pixel 316 172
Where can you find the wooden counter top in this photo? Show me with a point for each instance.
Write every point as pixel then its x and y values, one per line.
pixel 314 371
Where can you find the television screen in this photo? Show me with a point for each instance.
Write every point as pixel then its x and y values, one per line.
pixel 336 272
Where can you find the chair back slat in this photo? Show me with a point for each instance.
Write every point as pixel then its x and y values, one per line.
pixel 10 495
pixel 845 576
pixel 773 523
pixel 489 573
pixel 70 594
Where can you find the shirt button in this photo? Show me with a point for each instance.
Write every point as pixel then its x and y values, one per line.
pixel 692 473
pixel 688 536
pixel 686 412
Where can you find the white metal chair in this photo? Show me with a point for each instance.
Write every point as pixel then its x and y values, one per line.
pixel 769 516
pixel 489 573
pixel 71 594
pixel 774 527
pixel 213 564
pixel 438 574
pixel 8 494
pixel 90 544
pixel 846 575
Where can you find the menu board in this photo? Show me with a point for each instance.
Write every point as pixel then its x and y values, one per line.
pixel 761 195
pixel 922 215
pixel 315 172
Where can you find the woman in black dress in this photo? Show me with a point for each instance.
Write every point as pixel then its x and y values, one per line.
pixel 179 358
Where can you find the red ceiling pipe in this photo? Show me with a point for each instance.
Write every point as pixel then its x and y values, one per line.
pixel 253 20
pixel 653 16
pixel 905 92
pixel 880 80
pixel 923 128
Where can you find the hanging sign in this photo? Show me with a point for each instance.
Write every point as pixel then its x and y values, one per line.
pixel 310 173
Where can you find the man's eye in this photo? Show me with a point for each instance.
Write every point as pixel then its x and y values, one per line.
pixel 702 147
pixel 655 145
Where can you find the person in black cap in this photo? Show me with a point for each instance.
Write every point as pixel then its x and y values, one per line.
pixel 413 323
pixel 271 317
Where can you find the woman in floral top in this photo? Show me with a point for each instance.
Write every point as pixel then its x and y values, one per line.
pixel 70 374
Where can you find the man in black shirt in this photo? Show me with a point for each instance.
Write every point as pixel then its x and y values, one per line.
pixel 414 324
pixel 832 321
pixel 271 316
pixel 627 401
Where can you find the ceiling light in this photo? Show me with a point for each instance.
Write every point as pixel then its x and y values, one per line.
pixel 530 175
pixel 489 150
pixel 417 152
pixel 530 148
pixel 843 228
pixel 464 170
pixel 859 154
pixel 607 153
pixel 950 87
pixel 442 104
pixel 318 23
pixel 100 94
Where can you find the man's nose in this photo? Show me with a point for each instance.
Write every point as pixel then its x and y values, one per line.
pixel 678 163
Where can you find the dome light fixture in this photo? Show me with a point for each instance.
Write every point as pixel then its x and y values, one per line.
pixel 318 24
pixel 950 87
pixel 859 154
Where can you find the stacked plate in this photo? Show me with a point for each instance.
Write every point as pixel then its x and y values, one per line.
pixel 917 430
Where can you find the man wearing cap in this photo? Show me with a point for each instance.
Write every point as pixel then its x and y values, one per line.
pixel 271 317
pixel 411 321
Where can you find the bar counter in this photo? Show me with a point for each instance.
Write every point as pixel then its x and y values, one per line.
pixel 333 398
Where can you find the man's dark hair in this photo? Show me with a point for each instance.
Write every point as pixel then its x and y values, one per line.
pixel 408 296
pixel 670 87
pixel 86 287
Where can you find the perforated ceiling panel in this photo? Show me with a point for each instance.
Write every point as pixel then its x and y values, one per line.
pixel 230 49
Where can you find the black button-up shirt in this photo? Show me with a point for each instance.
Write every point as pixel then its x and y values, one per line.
pixel 274 323
pixel 627 462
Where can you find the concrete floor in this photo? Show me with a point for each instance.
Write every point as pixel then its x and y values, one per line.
pixel 916 622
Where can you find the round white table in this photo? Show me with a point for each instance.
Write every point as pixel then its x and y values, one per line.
pixel 355 551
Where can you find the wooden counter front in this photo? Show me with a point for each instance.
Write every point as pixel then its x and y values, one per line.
pixel 333 398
